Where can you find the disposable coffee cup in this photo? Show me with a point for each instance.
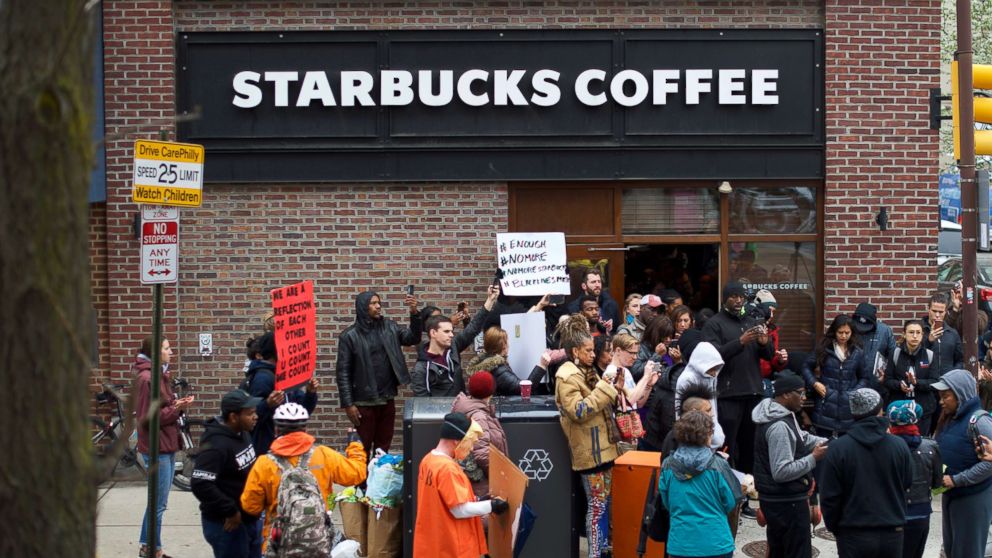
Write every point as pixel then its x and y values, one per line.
pixel 525 386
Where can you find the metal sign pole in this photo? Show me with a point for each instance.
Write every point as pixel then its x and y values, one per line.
pixel 153 424
pixel 969 191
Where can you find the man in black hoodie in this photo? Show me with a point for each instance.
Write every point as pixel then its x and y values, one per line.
pixel 742 345
pixel 371 367
pixel 260 382
pixel 864 481
pixel 219 474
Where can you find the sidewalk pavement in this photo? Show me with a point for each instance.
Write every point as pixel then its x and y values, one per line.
pixel 122 505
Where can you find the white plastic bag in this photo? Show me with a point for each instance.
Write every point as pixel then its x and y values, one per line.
pixel 345 549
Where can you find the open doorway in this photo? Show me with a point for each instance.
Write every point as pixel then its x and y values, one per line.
pixel 692 270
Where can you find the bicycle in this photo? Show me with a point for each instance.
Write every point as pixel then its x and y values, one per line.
pixel 108 433
pixel 187 441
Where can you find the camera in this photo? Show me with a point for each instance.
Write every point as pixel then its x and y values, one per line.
pixel 755 313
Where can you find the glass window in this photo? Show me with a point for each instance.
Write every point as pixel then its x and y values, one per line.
pixel 790 210
pixel 660 211
pixel 787 270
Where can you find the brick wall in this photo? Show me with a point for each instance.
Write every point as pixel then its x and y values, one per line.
pixel 882 58
pixel 247 239
pixel 449 14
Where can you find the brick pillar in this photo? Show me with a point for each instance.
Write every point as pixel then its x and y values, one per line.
pixel 139 59
pixel 882 58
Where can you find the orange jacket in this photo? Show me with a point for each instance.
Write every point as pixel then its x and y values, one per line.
pixel 328 466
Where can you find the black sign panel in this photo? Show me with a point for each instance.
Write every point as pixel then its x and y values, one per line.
pixel 504 105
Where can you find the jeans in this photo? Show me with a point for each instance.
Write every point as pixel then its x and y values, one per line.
pixel 166 469
pixel 243 542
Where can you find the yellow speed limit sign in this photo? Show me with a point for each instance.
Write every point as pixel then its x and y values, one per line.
pixel 168 173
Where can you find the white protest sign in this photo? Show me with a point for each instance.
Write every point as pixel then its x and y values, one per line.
pixel 533 264
pixel 525 333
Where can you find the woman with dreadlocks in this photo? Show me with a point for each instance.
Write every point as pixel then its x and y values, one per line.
pixel 585 403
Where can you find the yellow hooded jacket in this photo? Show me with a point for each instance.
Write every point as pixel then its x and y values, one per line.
pixel 328 466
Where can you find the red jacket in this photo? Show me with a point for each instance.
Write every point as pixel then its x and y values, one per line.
pixel 768 367
pixel 168 432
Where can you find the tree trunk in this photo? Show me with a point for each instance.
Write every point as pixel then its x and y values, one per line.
pixel 47 489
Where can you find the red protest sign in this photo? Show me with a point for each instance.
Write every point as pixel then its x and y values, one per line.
pixel 296 334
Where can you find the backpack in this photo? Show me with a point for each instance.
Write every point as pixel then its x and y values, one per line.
pixel 301 527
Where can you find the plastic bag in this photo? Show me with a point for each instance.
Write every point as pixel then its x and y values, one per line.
pixel 345 549
pixel 385 480
pixel 350 494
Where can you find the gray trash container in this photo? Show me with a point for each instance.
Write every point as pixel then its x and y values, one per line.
pixel 537 445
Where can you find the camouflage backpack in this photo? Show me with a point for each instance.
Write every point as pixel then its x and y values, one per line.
pixel 301 527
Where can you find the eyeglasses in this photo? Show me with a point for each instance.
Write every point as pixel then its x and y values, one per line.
pixel 629 352
pixel 800 392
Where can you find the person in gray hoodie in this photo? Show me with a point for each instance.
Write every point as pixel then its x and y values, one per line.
pixel 704 365
pixel 784 458
pixel 967 504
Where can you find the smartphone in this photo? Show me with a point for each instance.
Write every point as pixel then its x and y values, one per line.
pixel 937 324
pixel 461 306
pixel 557 299
pixel 409 290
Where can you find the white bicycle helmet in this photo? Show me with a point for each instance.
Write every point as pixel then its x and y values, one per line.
pixel 290 414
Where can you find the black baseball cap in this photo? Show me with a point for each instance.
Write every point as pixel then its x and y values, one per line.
pixel 235 401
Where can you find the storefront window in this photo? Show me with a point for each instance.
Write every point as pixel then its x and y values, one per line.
pixel 661 211
pixel 790 210
pixel 788 271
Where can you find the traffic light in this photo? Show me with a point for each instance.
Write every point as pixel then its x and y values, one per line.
pixel 981 79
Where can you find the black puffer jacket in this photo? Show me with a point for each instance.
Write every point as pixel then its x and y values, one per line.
pixel 355 377
pixel 922 364
pixel 741 374
pixel 661 403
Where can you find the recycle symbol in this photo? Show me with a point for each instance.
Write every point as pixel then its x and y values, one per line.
pixel 536 464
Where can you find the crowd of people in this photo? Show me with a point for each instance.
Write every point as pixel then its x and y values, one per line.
pixel 892 418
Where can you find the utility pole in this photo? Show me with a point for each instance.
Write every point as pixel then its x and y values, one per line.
pixel 969 189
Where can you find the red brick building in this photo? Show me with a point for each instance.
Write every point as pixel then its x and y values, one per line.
pixel 874 65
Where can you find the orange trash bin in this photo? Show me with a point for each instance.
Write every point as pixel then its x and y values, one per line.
pixel 631 473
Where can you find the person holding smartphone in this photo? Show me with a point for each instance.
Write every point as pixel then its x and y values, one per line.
pixel 371 367
pixel 910 374
pixel 942 339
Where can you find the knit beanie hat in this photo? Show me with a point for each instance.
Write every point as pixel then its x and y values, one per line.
pixel 732 289
pixel 765 298
pixel 865 402
pixel 481 385
pixel 455 426
pixel 904 412
pixel 787 381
